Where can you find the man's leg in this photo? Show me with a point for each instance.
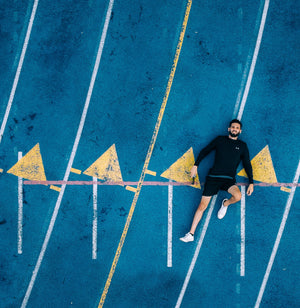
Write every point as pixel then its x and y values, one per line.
pixel 199 212
pixel 235 197
pixel 189 237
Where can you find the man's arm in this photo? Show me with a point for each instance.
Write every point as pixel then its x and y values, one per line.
pixel 205 151
pixel 248 168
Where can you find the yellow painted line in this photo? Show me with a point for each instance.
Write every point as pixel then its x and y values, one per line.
pixel 149 154
pixel 151 172
pixel 77 171
pixel 131 188
pixel 1 170
pixel 286 189
pixel 55 188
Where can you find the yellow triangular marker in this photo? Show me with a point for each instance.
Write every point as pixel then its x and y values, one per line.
pixel 30 166
pixel 180 171
pixel 262 165
pixel 106 167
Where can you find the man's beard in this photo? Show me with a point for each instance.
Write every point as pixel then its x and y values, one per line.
pixel 233 135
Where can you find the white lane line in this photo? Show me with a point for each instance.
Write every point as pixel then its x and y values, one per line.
pixel 252 67
pixel 253 63
pixel 192 265
pixel 73 153
pixel 278 238
pixel 19 68
pixel 95 219
pixel 243 214
pixel 20 211
pixel 170 222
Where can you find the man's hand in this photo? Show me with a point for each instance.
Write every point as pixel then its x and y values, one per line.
pixel 194 171
pixel 250 189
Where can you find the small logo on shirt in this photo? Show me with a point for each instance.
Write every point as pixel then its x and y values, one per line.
pixel 237 148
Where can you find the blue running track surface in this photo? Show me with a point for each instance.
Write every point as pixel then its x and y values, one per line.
pixel 114 93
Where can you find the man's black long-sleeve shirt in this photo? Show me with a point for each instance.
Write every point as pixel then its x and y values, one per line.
pixel 229 153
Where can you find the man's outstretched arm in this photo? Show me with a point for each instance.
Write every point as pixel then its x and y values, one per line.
pixel 249 171
pixel 205 151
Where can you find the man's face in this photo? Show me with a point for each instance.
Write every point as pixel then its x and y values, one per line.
pixel 234 130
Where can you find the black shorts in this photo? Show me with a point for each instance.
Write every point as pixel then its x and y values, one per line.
pixel 214 184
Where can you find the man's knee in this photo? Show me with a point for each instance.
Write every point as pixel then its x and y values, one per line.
pixel 237 196
pixel 235 193
pixel 202 206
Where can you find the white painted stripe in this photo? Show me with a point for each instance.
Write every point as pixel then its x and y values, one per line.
pixel 243 216
pixel 247 65
pixel 19 68
pixel 253 63
pixel 20 211
pixel 170 222
pixel 242 87
pixel 192 265
pixel 73 153
pixel 95 219
pixel 278 238
pixel 247 75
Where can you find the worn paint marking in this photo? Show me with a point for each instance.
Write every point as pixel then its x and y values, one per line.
pixel 180 171
pixel 30 166
pixel 106 167
pixel 263 169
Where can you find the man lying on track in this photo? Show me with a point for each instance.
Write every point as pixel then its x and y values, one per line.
pixel 229 153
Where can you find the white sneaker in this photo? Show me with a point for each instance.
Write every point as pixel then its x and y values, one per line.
pixel 223 209
pixel 187 238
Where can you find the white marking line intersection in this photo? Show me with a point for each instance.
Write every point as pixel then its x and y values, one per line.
pixel 278 238
pixel 240 114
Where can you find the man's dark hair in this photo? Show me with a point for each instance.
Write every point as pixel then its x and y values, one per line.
pixel 235 121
